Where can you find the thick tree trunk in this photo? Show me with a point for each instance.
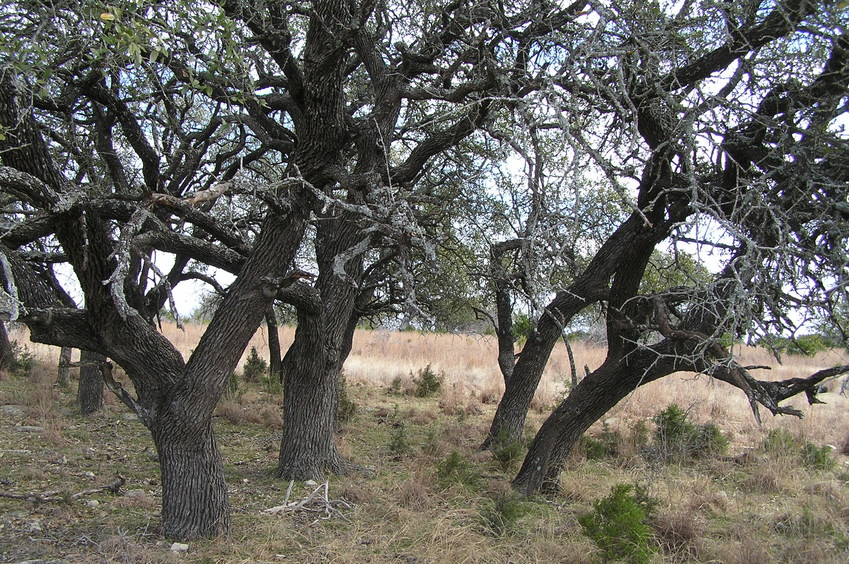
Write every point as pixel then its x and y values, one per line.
pixel 90 390
pixel 194 494
pixel 310 396
pixel 589 401
pixel 63 376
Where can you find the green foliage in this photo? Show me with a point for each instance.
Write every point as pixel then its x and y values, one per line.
pixel 619 524
pixel 523 327
pixel 255 367
pixel 677 437
pixel 803 345
pixel 455 469
pixel 233 390
pixel 507 452
pixel 22 361
pixel 398 444
pixel 818 458
pixel 781 442
pixel 594 449
pixel 427 382
pixel 271 383
pixel 501 516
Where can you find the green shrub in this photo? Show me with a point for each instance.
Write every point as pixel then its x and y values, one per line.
pixel 619 524
pixel 781 442
pixel 255 367
pixel 427 382
pixel 709 441
pixel 677 437
pixel 271 383
pixel 233 392
pixel 594 449
pixel 454 468
pixel 398 445
pixel 818 458
pixel 22 362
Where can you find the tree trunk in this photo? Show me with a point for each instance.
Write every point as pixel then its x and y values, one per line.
pixel 591 287
pixel 63 377
pixel 589 401
pixel 6 352
pixel 310 396
pixel 275 362
pixel 90 390
pixel 194 494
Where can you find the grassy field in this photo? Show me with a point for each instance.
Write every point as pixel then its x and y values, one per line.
pixel 765 501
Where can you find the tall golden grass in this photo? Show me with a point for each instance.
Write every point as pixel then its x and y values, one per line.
pixel 468 363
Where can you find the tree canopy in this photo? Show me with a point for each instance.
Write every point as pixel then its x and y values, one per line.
pixel 578 156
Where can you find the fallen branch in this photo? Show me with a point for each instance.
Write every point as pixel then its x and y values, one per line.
pixel 53 496
pixel 317 502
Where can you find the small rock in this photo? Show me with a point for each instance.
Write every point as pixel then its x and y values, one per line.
pixel 179 547
pixel 13 410
pixel 88 474
pixel 92 503
pixel 311 483
pixel 136 493
pixel 35 527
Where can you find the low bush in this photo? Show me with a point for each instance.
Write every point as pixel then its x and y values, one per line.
pixel 427 382
pixel 619 525
pixel 677 437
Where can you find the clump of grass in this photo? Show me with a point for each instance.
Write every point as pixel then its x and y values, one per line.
pixel 502 513
pixel 781 442
pixel 399 446
pixel 455 469
pixel 619 524
pixel 395 386
pixel 427 382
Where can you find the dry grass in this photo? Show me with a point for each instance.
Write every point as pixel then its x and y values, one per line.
pixel 751 506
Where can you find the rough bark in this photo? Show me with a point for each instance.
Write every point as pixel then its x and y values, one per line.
pixel 91 385
pixel 310 395
pixel 63 376
pixel 194 495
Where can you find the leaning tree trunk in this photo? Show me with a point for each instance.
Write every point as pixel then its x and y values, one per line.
pixel 594 396
pixel 90 390
pixel 194 494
